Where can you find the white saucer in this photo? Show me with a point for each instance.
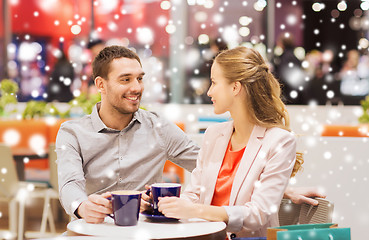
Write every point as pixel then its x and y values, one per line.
pixel 157 218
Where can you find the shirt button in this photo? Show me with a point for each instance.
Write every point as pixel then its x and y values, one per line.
pixel 121 158
pixel 120 180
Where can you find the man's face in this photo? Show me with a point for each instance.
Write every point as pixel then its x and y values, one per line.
pixel 124 85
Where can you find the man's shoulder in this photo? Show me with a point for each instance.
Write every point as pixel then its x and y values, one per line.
pixel 150 117
pixel 77 123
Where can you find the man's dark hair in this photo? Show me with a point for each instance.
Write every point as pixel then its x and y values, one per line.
pixel 101 63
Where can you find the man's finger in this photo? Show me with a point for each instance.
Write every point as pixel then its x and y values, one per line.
pixel 145 197
pixel 99 200
pixel 106 195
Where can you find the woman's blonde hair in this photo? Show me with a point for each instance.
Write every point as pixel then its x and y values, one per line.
pixel 263 92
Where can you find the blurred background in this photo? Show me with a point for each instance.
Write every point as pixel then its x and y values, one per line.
pixel 318 50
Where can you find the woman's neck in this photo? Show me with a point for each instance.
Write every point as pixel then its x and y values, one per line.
pixel 242 129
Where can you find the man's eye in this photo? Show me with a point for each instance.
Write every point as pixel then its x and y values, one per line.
pixel 140 78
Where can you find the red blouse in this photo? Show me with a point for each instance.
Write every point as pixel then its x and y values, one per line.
pixel 228 170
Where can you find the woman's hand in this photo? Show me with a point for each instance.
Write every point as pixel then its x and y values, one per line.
pixel 301 195
pixel 175 207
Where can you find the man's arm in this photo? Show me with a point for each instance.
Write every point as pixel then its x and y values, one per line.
pixel 301 195
pixel 71 178
pixel 180 148
pixel 70 170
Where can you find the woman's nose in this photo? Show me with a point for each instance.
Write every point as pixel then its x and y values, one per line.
pixel 209 92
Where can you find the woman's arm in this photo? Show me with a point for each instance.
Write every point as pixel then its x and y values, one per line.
pixel 301 195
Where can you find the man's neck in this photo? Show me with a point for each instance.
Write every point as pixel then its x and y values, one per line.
pixel 114 119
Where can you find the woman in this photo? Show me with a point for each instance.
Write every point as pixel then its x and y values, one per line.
pixel 244 165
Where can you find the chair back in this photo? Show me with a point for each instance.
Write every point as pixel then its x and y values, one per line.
pixel 292 214
pixel 8 173
pixel 288 212
pixel 53 168
pixel 316 214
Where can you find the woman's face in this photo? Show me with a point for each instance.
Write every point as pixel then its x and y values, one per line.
pixel 220 91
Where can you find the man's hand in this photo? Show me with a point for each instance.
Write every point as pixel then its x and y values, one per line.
pixel 301 195
pixel 146 200
pixel 94 209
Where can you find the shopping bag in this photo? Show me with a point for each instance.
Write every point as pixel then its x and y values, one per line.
pixel 324 231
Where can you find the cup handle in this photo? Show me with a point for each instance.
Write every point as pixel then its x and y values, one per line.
pixel 148 191
pixel 110 215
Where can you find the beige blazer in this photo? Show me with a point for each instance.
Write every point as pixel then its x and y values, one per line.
pixel 259 183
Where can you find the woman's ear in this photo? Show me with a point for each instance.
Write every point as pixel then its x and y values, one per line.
pixel 237 88
pixel 100 84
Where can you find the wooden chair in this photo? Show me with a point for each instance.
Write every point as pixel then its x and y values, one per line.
pixel 16 192
pixel 9 185
pixel 51 193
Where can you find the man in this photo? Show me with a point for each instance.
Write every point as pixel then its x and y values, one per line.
pixel 118 146
pixel 95 45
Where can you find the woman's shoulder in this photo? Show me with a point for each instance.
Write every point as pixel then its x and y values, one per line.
pixel 217 127
pixel 279 133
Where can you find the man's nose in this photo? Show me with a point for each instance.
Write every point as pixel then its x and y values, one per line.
pixel 136 85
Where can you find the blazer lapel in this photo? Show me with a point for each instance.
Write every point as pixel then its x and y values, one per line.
pixel 216 161
pixel 248 158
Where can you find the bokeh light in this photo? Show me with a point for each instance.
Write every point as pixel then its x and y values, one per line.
pixel 75 29
pixel 244 31
pixel 37 143
pixel 291 19
pixel 244 20
pixel 165 5
pixel 203 39
pixel 364 6
pixel 170 28
pixel 363 43
pixel 11 137
pixel 145 35
pixel 317 7
pixel 201 16
pixel 342 6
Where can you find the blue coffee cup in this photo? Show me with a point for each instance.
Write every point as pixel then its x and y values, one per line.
pixel 126 207
pixel 164 190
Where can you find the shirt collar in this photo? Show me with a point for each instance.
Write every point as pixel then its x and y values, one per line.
pixel 99 125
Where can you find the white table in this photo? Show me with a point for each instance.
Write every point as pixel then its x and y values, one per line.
pixel 146 229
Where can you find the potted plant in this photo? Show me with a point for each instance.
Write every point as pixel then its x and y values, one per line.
pixel 364 119
pixel 8 92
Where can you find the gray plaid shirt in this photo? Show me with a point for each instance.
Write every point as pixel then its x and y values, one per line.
pixel 93 158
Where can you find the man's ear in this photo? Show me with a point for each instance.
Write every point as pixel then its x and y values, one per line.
pixel 237 88
pixel 100 84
